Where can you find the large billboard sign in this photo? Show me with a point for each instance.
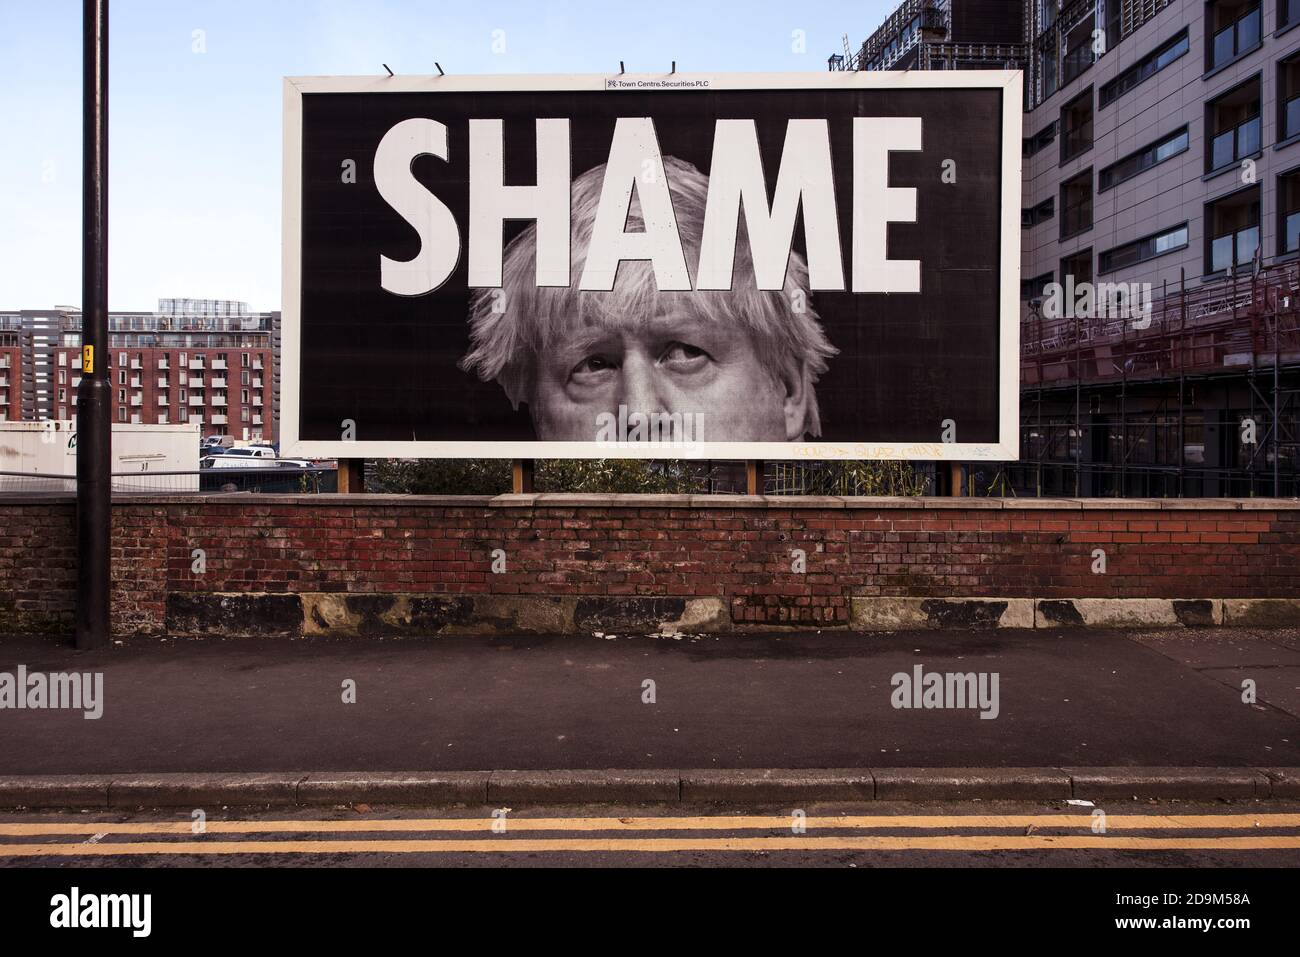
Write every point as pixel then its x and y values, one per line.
pixel 744 266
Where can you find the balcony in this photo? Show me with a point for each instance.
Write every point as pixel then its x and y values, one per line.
pixel 4 380
pixel 196 382
pixel 135 364
pixel 257 363
pixel 218 420
pixel 162 400
pixel 137 401
pixel 162 365
pixel 219 365
pixel 219 401
pixel 196 402
pixel 135 419
pixel 257 401
pixel 76 382
pixel 164 382
pixel 218 382
pixel 196 365
pixel 257 383
pixel 136 382
pixel 195 420
pixel 257 420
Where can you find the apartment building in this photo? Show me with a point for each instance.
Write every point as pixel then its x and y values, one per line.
pixel 1162 158
pixel 210 362
pixel 11 363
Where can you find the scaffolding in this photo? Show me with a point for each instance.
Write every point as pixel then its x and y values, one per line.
pixel 1241 331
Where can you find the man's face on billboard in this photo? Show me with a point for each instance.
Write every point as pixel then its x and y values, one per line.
pixel 672 363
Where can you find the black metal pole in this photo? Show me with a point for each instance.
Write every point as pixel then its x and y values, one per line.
pixel 94 394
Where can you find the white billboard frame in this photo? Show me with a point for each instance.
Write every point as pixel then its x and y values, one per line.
pixel 1006 449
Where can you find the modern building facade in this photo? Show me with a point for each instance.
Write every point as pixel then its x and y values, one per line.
pixel 1160 242
pixel 210 362
pixel 11 364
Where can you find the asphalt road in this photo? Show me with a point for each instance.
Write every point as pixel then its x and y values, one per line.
pixel 881 834
pixel 1066 698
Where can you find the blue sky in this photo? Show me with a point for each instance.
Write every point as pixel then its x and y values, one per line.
pixel 194 137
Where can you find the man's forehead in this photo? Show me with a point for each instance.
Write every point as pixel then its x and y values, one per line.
pixel 593 328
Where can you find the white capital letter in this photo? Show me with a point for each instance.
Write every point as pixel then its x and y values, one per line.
pixel 736 176
pixel 635 142
pixel 491 202
pixel 439 235
pixel 876 204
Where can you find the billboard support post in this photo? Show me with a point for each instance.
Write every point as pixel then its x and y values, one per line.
pixel 521 476
pixel 352 476
pixel 954 479
pixel 94 393
pixel 754 477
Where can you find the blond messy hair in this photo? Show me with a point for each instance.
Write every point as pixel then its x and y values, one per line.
pixel 505 341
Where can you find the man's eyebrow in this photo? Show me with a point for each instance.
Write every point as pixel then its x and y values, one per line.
pixel 581 338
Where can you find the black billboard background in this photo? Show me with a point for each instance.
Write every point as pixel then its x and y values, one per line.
pixel 906 362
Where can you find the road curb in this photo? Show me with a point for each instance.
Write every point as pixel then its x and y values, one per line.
pixel 741 786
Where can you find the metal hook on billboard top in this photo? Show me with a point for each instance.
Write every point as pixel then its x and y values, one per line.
pixel 621 68
pixel 439 66
pixel 386 67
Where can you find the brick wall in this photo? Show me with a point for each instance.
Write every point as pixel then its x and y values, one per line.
pixel 733 550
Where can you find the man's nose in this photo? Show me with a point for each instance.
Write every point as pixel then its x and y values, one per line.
pixel 640 385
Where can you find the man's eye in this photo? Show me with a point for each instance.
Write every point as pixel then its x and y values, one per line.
pixel 683 356
pixel 592 365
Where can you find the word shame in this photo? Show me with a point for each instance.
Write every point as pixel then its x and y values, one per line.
pixel 805 181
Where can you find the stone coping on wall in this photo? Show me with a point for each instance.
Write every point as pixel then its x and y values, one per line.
pixel 628 500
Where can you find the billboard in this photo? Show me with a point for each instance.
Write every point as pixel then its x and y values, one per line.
pixel 744 266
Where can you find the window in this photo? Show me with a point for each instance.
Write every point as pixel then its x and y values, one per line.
pixel 1140 250
pixel 121 395
pixel 1076 204
pixel 1232 230
pixel 243 359
pixel 121 359
pixel 1077 267
pixel 1034 289
pixel 1079 55
pixel 1145 68
pixel 121 414
pixel 1232 28
pixel 63 358
pixel 1047 68
pixel 1288 204
pixel 1076 126
pixel 1038 214
pixel 1141 161
pixel 243 396
pixel 1233 125
pixel 121 377
pixel 1288 13
pixel 1043 138
pixel 1288 98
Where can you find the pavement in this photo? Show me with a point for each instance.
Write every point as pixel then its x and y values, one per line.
pixel 1081 713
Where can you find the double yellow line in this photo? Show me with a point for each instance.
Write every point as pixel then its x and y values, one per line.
pixel 1079 838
